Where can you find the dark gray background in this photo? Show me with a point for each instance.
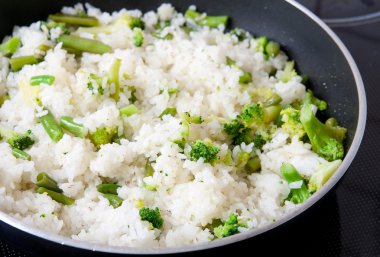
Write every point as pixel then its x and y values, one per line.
pixel 347 222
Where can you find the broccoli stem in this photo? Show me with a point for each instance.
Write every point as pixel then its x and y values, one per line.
pixel 74 128
pixel 253 164
pixel 42 79
pixel 297 195
pixel 129 110
pixel 84 44
pixel 322 175
pixel 113 78
pixel 20 154
pixel 138 38
pixel 107 188
pixel 51 127
pixel 58 197
pixel 114 200
pixel 44 180
pixel 203 20
pixel 85 21
pixel 10 46
pixel 168 111
pixel 18 62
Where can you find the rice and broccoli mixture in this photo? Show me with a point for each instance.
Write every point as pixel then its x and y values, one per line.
pixel 155 130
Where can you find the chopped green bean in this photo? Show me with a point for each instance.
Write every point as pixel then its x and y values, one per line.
pixel 20 154
pixel 85 21
pixel 113 77
pixel 51 127
pixel 168 111
pixel 84 44
pixel 74 128
pixel 42 79
pixel 114 200
pixel 58 197
pixel 10 46
pixel 44 180
pixel 129 110
pixel 108 188
pixel 18 62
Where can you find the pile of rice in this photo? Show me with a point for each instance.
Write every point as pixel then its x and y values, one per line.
pixel 190 194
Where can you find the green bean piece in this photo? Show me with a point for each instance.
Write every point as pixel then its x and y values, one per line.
pixel 85 21
pixel 44 180
pixel 114 200
pixel 272 48
pixel 113 77
pixel 129 110
pixel 245 78
pixel 51 127
pixel 108 188
pixel 253 164
pixel 74 128
pixel 84 44
pixel 18 62
pixel 20 154
pixel 10 46
pixel 58 197
pixel 42 79
pixel 168 111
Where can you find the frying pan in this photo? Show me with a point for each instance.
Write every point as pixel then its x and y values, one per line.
pixel 317 50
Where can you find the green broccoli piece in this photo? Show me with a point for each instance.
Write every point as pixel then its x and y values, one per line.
pixel 326 139
pixel 203 20
pixel 192 119
pixel 322 175
pixel 261 44
pixel 252 113
pixel 245 78
pixel 133 97
pixel 229 227
pixel 233 127
pixel 272 49
pixel 138 38
pixel 153 216
pixel 95 82
pixel 288 73
pixel 240 34
pixel 321 104
pixel 10 46
pixel 296 195
pixel 205 150
pixel 168 111
pixel 16 140
pixel 136 22
pixel 103 136
pixel 291 122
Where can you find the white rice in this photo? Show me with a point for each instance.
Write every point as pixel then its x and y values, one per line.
pixel 190 194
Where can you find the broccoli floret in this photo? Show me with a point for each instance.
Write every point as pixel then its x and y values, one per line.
pixel 291 175
pixel 16 140
pixel 229 227
pixel 205 150
pixel 291 122
pixel 103 136
pixel 136 22
pixel 259 140
pixel 326 139
pixel 153 216
pixel 322 175
pixel 288 73
pixel 252 113
pixel 233 127
pixel 321 104
pixel 138 38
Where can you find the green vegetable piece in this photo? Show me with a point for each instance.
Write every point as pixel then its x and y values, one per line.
pixel 261 44
pixel 136 23
pixel 153 216
pixel 296 195
pixel 85 21
pixel 133 97
pixel 180 142
pixel 42 79
pixel 229 227
pixel 84 44
pixel 10 46
pixel 245 78
pixel 192 119
pixel 58 197
pixel 168 111
pixel 129 110
pixel 113 78
pixel 253 164
pixel 44 180
pixel 158 34
pixel 107 188
pixel 18 141
pixel 203 20
pixel 326 139
pixel 240 34
pixel 51 127
pixel 215 223
pixel 205 150
pixel 172 91
pixel 138 38
pixel 149 170
pixel 252 113
pixel 18 62
pixel 74 128
pixel 321 105
pixel 20 154
pixel 114 200
pixel 103 136
pixel 4 98
pixel 322 175
pixel 292 123
pixel 288 73
pixel 95 81
pixel 272 49
pixel 230 62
